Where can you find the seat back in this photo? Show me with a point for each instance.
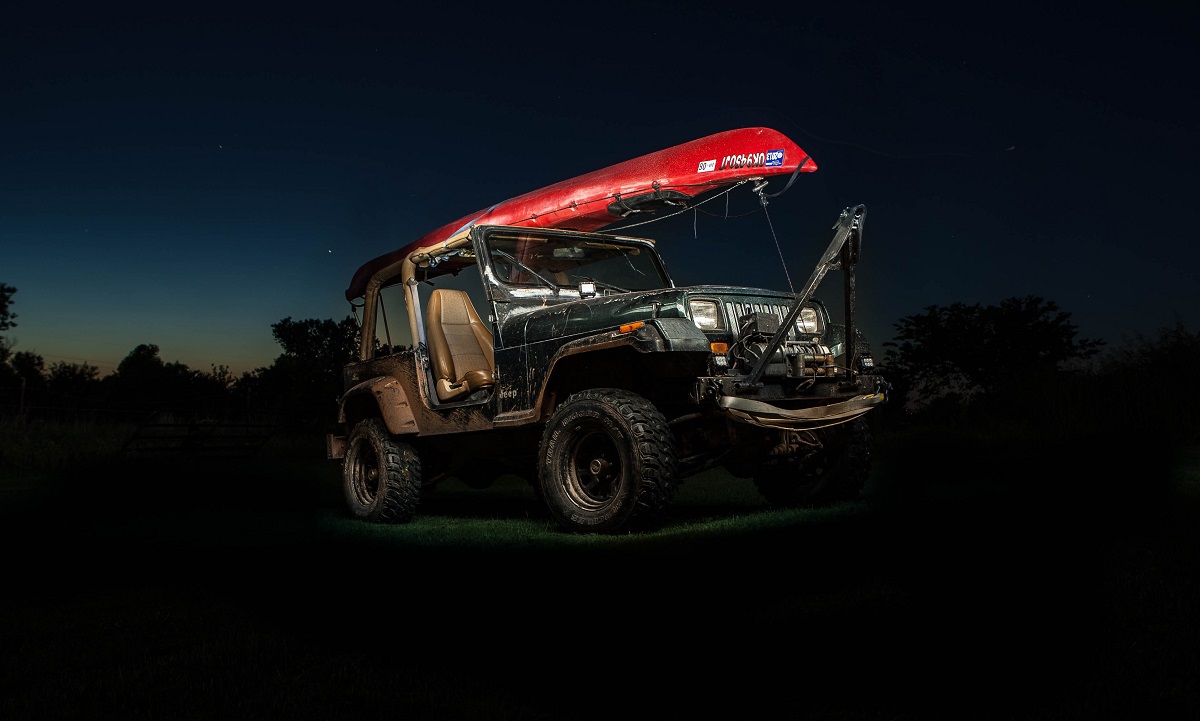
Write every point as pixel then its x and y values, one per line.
pixel 460 345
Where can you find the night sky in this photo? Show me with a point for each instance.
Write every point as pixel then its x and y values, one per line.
pixel 189 180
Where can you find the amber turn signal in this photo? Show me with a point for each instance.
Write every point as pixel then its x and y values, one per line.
pixel 630 327
pixel 719 347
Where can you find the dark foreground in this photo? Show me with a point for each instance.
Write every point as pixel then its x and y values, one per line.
pixel 1058 586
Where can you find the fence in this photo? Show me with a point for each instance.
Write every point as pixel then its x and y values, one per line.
pixel 199 438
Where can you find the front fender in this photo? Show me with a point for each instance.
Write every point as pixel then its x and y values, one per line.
pixel 681 334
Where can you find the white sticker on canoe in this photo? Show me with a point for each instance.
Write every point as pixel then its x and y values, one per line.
pixel 707 166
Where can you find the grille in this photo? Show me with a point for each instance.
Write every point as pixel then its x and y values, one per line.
pixel 737 309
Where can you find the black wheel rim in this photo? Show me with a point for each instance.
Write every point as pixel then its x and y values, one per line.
pixel 594 467
pixel 365 474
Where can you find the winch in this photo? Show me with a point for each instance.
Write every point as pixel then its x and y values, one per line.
pixel 792 359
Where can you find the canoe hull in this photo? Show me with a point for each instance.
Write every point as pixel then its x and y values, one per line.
pixel 602 197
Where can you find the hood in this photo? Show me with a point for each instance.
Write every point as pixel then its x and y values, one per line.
pixel 592 315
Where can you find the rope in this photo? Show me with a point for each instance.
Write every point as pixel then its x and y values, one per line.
pixel 682 210
pixel 795 174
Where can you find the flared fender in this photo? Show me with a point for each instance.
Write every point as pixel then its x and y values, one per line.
pixel 387 393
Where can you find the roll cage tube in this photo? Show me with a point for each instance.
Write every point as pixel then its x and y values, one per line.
pixel 843 252
pixel 407 271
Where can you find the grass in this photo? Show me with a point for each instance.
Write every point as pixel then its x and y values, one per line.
pixel 1035 585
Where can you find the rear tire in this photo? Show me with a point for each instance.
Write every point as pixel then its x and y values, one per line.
pixel 835 474
pixel 381 477
pixel 607 463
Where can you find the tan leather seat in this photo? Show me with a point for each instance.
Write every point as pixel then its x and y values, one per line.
pixel 460 345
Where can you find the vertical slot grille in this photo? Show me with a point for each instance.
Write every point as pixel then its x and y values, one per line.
pixel 737 309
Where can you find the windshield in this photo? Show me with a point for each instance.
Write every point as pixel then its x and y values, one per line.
pixel 554 261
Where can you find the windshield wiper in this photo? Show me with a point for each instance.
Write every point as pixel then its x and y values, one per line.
pixel 527 269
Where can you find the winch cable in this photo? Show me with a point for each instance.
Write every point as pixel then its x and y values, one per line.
pixel 762 198
pixel 760 184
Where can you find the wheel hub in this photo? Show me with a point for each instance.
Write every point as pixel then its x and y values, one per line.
pixel 599 467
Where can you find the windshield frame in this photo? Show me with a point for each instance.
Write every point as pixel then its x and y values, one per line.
pixel 558 269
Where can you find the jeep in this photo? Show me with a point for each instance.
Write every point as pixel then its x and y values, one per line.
pixel 570 358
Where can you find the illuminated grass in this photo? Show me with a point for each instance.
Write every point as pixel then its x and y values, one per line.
pixel 241 590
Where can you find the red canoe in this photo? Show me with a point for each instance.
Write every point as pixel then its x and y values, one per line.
pixel 602 197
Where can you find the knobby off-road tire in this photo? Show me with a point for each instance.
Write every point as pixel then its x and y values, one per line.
pixel 833 475
pixel 607 463
pixel 381 478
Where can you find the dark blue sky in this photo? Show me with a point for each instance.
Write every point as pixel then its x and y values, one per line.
pixel 187 180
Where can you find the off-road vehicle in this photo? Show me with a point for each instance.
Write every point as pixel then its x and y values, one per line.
pixel 521 340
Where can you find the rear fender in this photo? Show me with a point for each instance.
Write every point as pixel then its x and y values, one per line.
pixel 384 394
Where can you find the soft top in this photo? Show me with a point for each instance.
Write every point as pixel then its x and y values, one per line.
pixel 602 197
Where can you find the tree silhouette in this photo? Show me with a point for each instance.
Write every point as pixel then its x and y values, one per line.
pixel 10 381
pixel 301 386
pixel 303 383
pixel 72 385
pixel 7 317
pixel 31 368
pixel 961 351
pixel 144 385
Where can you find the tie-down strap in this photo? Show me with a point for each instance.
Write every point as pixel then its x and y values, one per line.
pixel 769 416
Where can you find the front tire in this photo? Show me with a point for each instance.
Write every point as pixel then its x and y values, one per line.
pixel 381 477
pixel 834 474
pixel 607 463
